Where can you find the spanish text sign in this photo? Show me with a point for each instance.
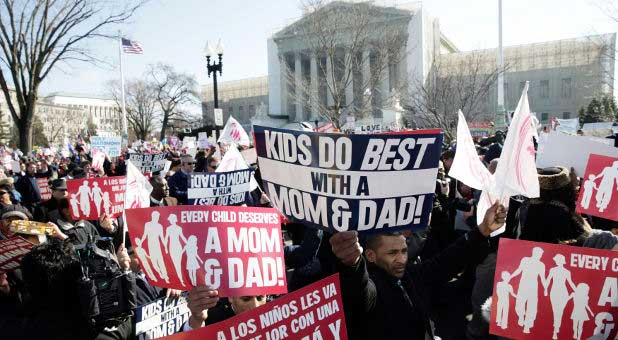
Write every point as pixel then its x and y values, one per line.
pixel 545 291
pixel 350 182
pixel 221 188
pixel 112 146
pixel 598 195
pixel 313 312
pixel 92 197
pixel 236 250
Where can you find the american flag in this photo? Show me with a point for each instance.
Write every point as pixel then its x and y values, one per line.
pixel 130 46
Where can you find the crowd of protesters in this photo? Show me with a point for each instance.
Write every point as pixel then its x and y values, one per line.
pixel 408 285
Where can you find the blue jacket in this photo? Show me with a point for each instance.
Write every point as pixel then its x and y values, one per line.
pixel 178 183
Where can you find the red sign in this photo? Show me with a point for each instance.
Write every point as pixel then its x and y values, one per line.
pixel 313 312
pixel 43 184
pixel 598 195
pixel 545 291
pixel 11 252
pixel 92 197
pixel 236 250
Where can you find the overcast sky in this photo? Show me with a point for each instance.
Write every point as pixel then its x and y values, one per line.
pixel 175 32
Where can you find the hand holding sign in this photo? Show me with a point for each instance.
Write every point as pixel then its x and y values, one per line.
pixel 201 299
pixel 346 247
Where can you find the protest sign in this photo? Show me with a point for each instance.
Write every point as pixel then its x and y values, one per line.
pixel 545 291
pixel 98 158
pixel 350 182
pixel 11 252
pixel 313 312
pixel 571 151
pixel 203 142
pixel 480 129
pixel 189 145
pixel 327 127
pixel 16 167
pixel 112 146
pixel 30 228
pixel 236 250
pixel 150 163
pixel 221 188
pixel 174 142
pixel 368 128
pixel 90 198
pixel 567 125
pixel 598 195
pixel 161 318
pixel 44 189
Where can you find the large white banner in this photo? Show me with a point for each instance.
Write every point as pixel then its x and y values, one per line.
pixel 571 151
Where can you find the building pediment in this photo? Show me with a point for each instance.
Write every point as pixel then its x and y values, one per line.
pixel 340 8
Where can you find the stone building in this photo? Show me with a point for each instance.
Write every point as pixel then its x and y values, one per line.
pixel 238 98
pixel 101 111
pixel 564 75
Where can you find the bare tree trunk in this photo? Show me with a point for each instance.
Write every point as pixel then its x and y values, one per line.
pixel 164 123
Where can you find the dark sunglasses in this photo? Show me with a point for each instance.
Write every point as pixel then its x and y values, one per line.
pixel 3 192
pixel 189 163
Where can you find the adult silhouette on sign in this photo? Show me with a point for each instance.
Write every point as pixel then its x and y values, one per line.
pixel 605 190
pixel 97 196
pixel 531 269
pixel 174 234
pixel 153 233
pixel 85 196
pixel 559 295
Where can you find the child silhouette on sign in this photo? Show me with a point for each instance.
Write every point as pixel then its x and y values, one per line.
pixel 143 259
pixel 504 291
pixel 193 260
pixel 580 309
pixel 589 187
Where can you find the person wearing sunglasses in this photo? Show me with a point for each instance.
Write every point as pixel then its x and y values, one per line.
pixel 179 182
pixel 5 195
pixel 211 164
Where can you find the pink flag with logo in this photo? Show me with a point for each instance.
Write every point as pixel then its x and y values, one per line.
pixel 233 132
pixel 516 171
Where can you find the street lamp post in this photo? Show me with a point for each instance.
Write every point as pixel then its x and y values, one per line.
pixel 213 68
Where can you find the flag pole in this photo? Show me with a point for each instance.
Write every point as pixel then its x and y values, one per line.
pixel 124 108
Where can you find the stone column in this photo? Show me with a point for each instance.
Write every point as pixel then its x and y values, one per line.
pixel 349 89
pixel 315 100
pixel 285 84
pixel 298 86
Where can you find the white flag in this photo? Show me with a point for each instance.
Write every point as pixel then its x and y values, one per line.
pixel 516 172
pixel 467 167
pixel 234 132
pixel 138 188
pixel 233 160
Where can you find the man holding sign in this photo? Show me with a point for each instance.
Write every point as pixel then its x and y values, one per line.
pixel 385 298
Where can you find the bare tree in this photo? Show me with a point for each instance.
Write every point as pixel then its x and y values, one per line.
pixel 355 46
pixel 38 35
pixel 173 91
pixel 141 105
pixel 461 83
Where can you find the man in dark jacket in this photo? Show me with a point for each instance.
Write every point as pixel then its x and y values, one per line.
pixel 385 297
pixel 179 182
pixel 28 187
